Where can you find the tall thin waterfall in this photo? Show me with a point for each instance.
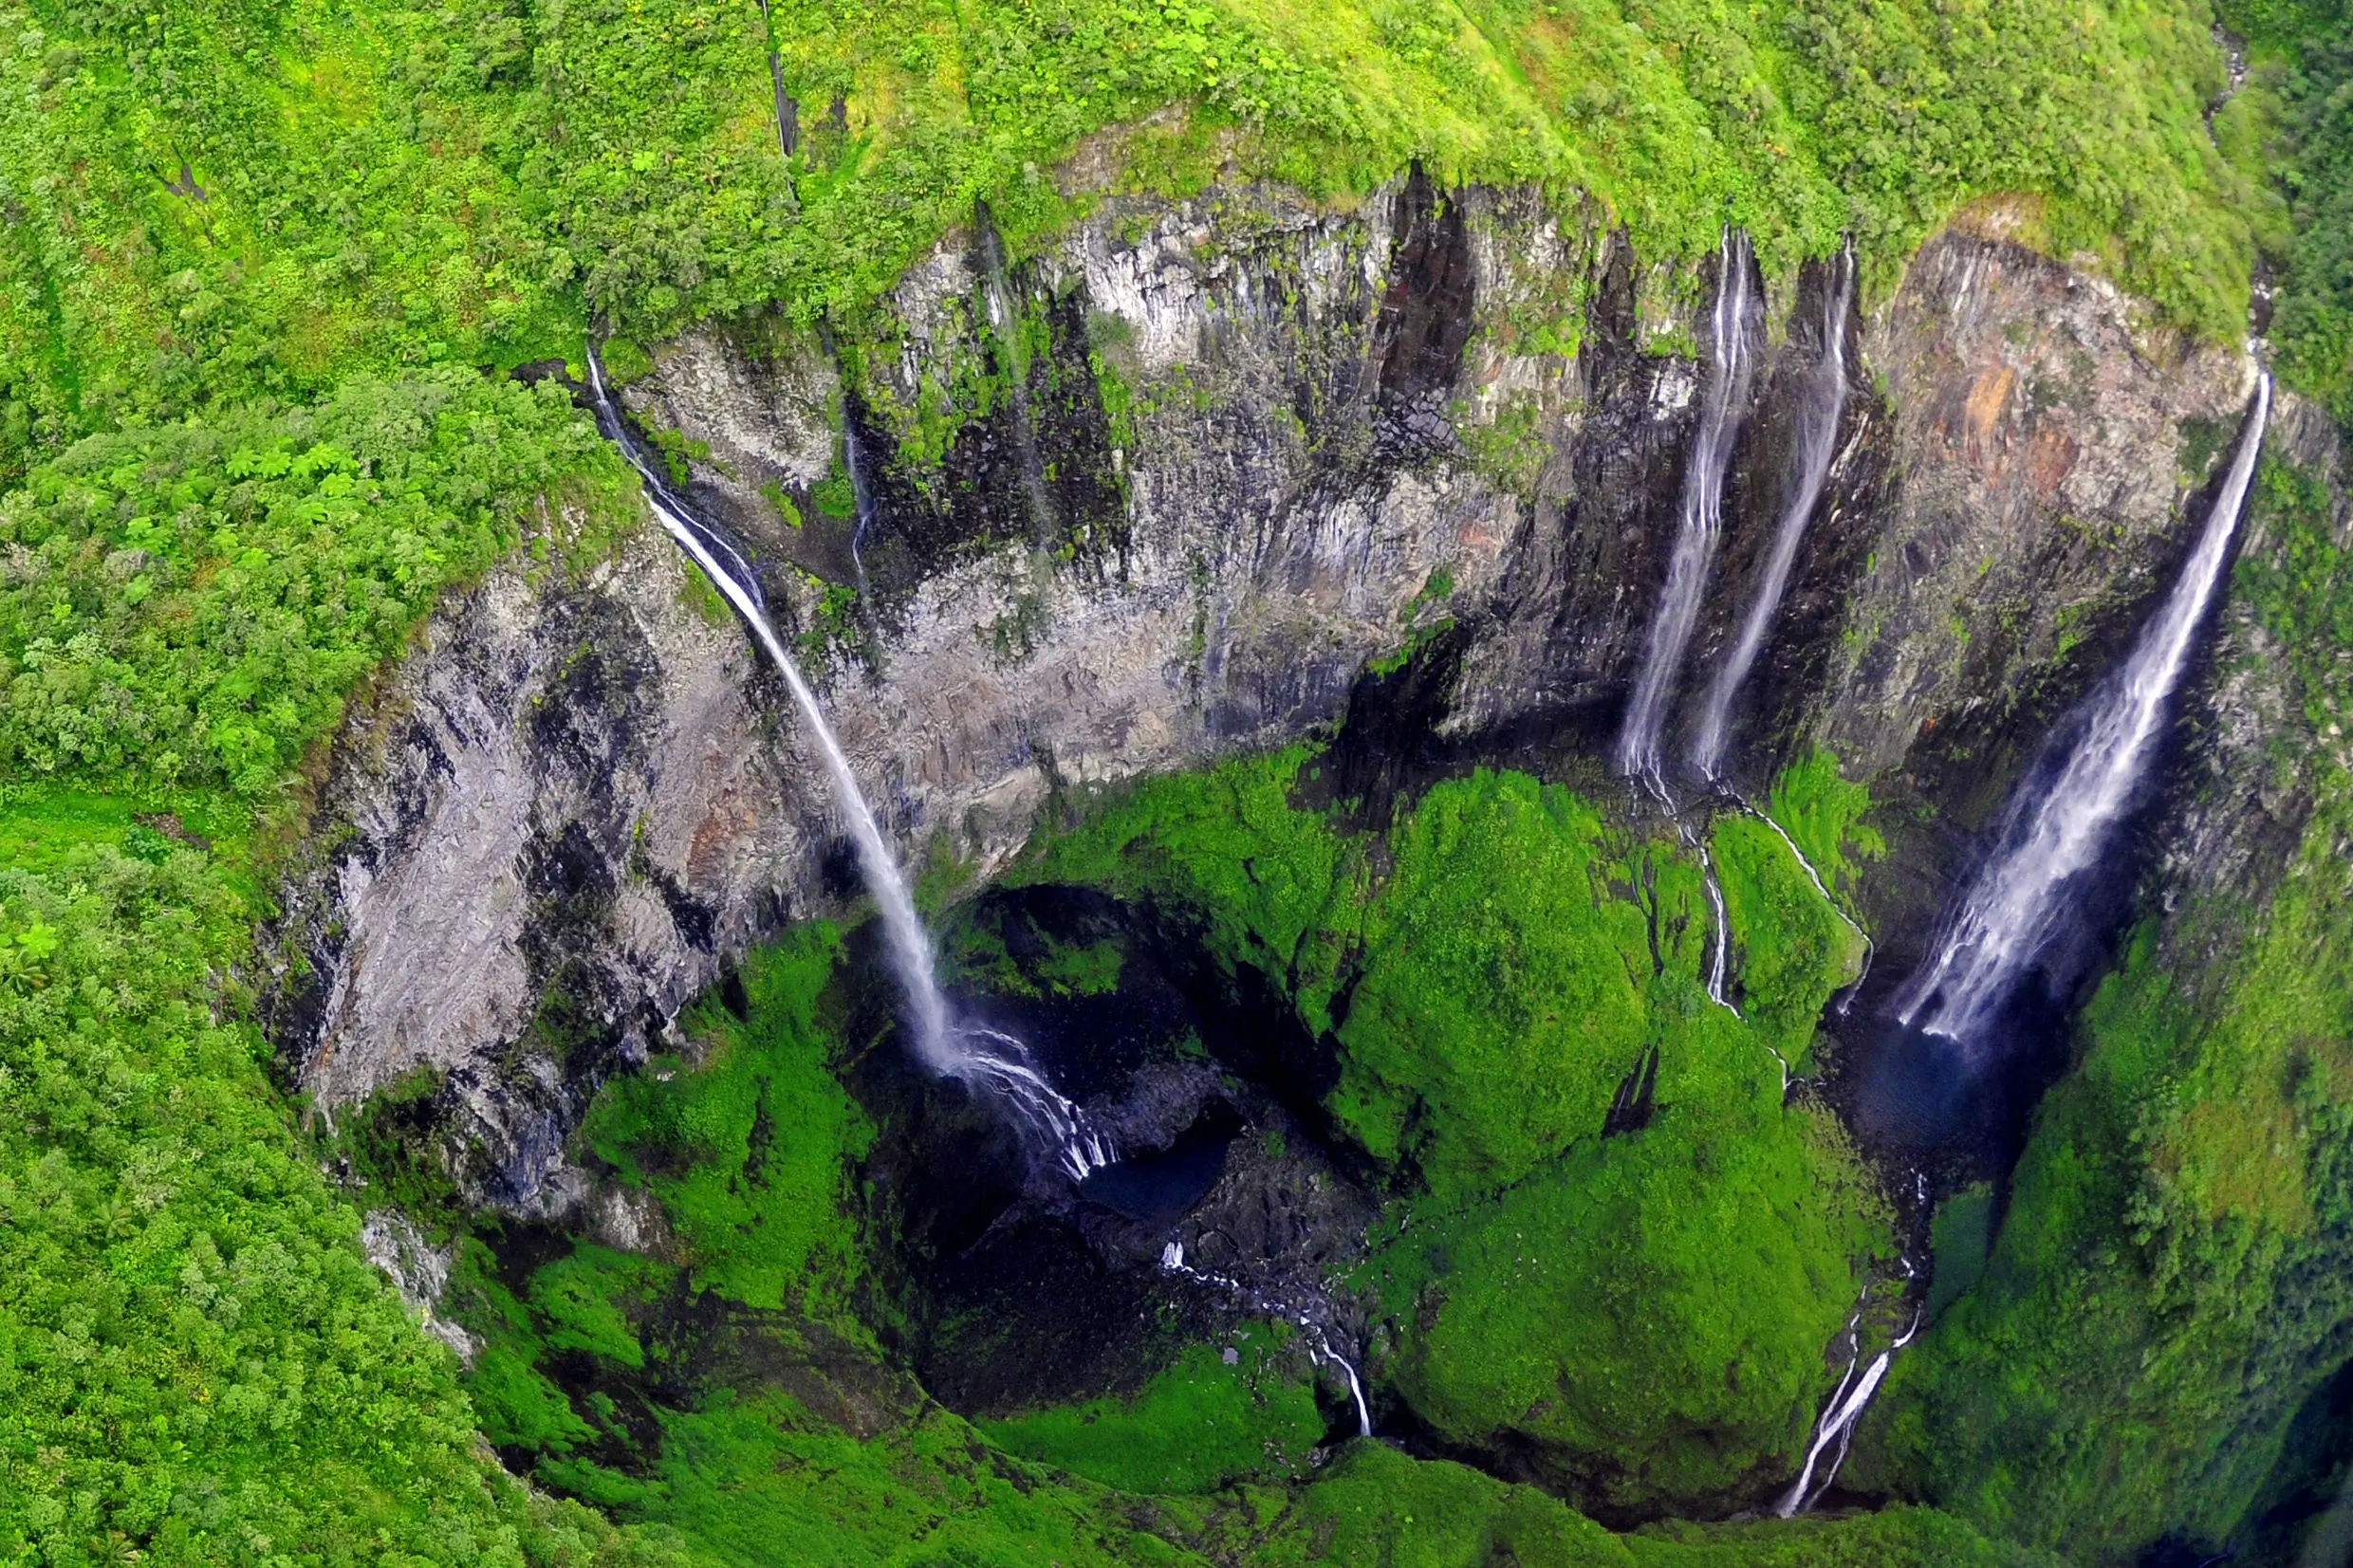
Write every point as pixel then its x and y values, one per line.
pixel 1002 1063
pixel 1837 1423
pixel 862 494
pixel 2051 833
pixel 1004 322
pixel 1731 326
pixel 1817 439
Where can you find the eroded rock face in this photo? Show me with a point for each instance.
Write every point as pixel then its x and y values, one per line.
pixel 568 805
pixel 1251 446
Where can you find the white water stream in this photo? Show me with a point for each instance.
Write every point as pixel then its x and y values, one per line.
pixel 1719 958
pixel 1173 1262
pixel 2052 834
pixel 1817 440
pixel 983 1057
pixel 1838 1422
pixel 1701 516
pixel 861 498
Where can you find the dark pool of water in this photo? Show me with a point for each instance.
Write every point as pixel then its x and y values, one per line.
pixel 1157 1188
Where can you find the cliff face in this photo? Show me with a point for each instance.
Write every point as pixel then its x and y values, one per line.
pixel 1160 494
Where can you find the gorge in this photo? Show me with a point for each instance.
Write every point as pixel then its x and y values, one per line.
pixel 1219 785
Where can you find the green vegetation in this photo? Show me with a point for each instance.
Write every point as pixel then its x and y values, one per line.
pixel 745 1152
pixel 1504 991
pixel 1961 1236
pixel 1266 884
pixel 765 1435
pixel 1376 1505
pixel 1203 1424
pixel 1823 813
pixel 2167 1288
pixel 1643 1317
pixel 1509 967
pixel 976 948
pixel 198 1364
pixel 722 1382
pixel 248 199
pixel 253 259
pixel 188 604
pixel 2292 127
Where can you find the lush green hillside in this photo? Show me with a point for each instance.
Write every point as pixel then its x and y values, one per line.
pixel 224 200
pixel 198 1365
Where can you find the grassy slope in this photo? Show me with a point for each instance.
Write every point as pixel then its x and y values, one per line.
pixel 2171 1282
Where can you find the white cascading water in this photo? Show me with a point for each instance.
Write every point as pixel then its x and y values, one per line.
pixel 943 1047
pixel 1319 1348
pixel 1838 1423
pixel 1817 440
pixel 861 498
pixel 2013 907
pixel 1719 958
pixel 1701 516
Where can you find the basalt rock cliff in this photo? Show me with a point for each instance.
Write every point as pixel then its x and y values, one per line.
pixel 1196 479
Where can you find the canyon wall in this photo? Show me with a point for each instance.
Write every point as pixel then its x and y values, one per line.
pixel 1200 478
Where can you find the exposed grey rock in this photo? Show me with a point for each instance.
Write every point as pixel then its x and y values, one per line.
pixel 418 1270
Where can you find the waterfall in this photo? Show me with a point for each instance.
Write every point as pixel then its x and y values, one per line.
pixel 1320 1347
pixel 2052 831
pixel 1700 515
pixel 1719 961
pixel 1817 439
pixel 862 496
pixel 1837 1424
pixel 980 1056
pixel 788 116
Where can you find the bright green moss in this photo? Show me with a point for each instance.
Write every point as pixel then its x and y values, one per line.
pixel 1646 1316
pixel 1269 885
pixel 581 1302
pixel 1375 1505
pixel 1647 1313
pixel 1502 986
pixel 1200 1425
pixel 1959 1238
pixel 519 1408
pixel 748 1150
pixel 1823 813
pixel 1792 950
pixel 758 1480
